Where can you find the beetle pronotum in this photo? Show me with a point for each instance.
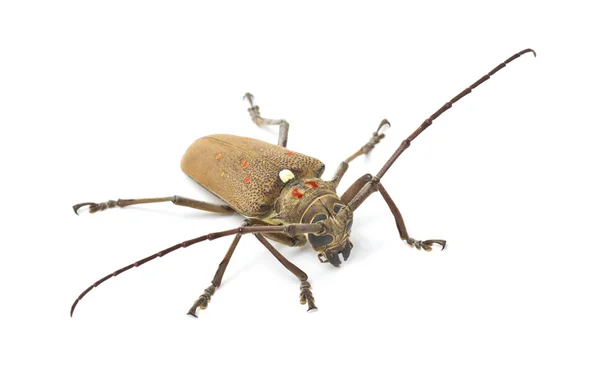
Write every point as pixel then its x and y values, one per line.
pixel 281 195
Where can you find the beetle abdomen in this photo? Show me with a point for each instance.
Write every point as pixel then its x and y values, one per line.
pixel 244 172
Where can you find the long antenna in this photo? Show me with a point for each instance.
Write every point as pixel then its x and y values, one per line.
pixel 406 143
pixel 292 230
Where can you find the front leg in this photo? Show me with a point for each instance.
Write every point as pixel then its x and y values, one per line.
pixel 204 299
pixel 426 245
pixel 362 188
pixel 306 296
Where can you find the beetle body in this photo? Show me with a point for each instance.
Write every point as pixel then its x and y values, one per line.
pixel 281 195
pixel 271 184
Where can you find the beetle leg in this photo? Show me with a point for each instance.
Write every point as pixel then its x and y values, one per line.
pixel 339 173
pixel 178 200
pixel 254 111
pixel 306 296
pixel 365 149
pixel 425 245
pixel 374 140
pixel 204 299
pixel 355 188
pixel 305 292
pixel 365 186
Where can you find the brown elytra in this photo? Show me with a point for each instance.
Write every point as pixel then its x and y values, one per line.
pixel 246 173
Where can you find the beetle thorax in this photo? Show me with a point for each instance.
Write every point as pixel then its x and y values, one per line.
pixel 301 197
pixel 316 201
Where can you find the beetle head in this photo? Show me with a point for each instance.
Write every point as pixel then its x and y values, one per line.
pixel 336 219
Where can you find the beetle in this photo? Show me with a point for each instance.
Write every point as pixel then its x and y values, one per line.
pixel 281 195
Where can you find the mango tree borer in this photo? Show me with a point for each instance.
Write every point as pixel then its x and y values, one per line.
pixel 281 195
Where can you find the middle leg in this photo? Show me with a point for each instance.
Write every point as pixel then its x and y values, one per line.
pixel 364 150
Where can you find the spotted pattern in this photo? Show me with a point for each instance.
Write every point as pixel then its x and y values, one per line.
pixel 297 194
pixel 255 197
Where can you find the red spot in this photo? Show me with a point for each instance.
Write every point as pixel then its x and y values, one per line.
pixel 297 194
pixel 311 183
pixel 247 180
pixel 245 164
pixel 218 156
pixel 290 153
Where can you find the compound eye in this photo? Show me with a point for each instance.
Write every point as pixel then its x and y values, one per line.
pixel 319 218
pixel 320 240
pixel 337 208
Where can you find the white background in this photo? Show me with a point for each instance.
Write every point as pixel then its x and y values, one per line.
pixel 99 100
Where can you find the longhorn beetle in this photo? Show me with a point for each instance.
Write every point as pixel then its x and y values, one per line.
pixel 281 195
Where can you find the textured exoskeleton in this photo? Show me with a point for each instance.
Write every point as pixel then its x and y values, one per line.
pixel 244 172
pixel 281 195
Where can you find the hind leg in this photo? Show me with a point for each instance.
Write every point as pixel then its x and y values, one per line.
pixel 254 111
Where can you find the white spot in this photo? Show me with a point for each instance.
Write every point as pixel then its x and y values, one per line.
pixel 286 175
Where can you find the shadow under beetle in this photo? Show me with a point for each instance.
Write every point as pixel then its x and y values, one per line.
pixel 281 195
